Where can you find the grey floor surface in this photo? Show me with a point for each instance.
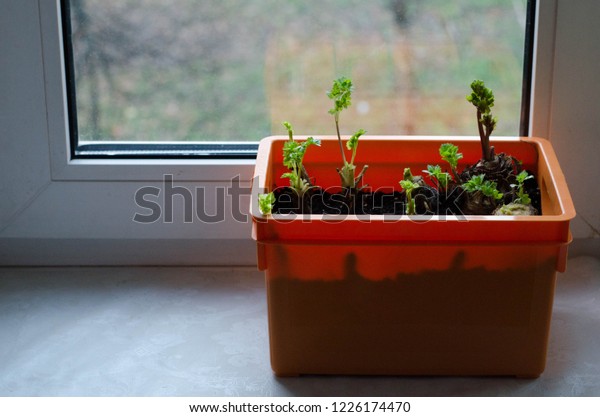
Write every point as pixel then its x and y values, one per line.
pixel 203 332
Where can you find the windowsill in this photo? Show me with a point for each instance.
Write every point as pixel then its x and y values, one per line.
pixel 195 170
pixel 203 331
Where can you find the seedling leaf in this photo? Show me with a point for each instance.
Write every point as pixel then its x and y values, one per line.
pixel 266 203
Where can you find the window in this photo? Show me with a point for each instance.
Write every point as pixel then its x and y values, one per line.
pixel 189 78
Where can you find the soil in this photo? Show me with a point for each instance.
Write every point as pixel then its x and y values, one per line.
pixel 428 200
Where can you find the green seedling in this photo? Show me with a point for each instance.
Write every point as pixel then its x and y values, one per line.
pixel 522 196
pixel 479 184
pixel 450 154
pixel 341 94
pixel 409 184
pixel 483 99
pixel 347 171
pixel 293 156
pixel 266 203
pixel 440 178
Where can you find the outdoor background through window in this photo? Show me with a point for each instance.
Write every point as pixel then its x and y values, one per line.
pixel 233 70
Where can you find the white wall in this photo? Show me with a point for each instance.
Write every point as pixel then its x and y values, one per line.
pixel 574 124
pixel 52 212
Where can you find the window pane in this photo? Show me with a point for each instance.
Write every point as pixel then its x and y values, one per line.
pixel 231 70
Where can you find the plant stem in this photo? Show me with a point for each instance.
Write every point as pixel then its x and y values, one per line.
pixel 362 173
pixel 410 209
pixel 487 155
pixel 337 128
pixel 354 154
pixel 456 176
pixel 485 141
pixel 304 175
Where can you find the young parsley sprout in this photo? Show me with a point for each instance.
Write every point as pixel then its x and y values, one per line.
pixel 438 176
pixel 293 155
pixel 266 203
pixel 483 99
pixel 522 196
pixel 450 154
pixel 479 184
pixel 408 184
pixel 341 94
pixel 348 170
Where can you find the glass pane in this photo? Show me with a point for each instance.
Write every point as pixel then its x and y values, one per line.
pixel 190 70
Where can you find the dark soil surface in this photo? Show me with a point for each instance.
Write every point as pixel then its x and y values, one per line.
pixel 428 200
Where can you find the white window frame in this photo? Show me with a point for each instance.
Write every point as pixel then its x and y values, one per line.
pixel 65 168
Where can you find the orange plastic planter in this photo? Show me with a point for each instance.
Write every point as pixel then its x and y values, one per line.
pixel 426 295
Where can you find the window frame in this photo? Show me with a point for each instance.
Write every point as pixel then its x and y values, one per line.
pixel 110 167
pixel 528 60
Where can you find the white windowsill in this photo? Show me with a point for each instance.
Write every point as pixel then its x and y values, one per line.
pixel 192 170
